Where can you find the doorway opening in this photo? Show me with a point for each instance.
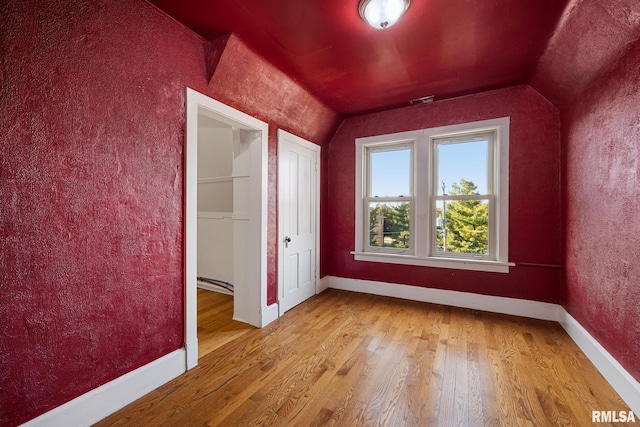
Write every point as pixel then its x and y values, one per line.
pixel 241 196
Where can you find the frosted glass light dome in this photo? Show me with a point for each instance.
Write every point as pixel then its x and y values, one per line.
pixel 382 13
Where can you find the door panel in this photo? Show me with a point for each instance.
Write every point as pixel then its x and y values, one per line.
pixel 298 210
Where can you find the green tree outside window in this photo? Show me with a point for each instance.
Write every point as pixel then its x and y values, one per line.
pixel 466 222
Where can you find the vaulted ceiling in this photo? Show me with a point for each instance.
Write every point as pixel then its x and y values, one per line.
pixel 443 48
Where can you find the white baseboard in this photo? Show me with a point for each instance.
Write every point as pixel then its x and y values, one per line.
pixel 269 314
pixel 621 381
pixel 101 402
pixel 323 284
pixel 191 353
pixel 626 386
pixel 513 306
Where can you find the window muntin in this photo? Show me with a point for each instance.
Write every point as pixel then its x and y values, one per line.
pixel 426 247
pixel 389 198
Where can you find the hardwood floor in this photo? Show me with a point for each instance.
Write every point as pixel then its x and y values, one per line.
pixel 216 326
pixel 344 358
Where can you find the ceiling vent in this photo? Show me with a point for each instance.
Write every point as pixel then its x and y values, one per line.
pixel 423 100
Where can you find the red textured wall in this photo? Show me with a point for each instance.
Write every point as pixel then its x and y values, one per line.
pixel 248 82
pixel 601 147
pixel 590 38
pixel 91 187
pixel 534 211
pixel 91 183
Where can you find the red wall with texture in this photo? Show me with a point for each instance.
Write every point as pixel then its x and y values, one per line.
pixel 601 147
pixel 92 192
pixel 91 187
pixel 534 212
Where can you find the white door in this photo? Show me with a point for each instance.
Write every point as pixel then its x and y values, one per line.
pixel 298 192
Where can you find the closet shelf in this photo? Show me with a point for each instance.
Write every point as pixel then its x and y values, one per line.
pixel 215 179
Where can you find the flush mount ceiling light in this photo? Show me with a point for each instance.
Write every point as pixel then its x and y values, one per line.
pixel 382 13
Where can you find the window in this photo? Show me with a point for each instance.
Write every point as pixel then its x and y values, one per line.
pixel 389 198
pixel 435 197
pixel 463 195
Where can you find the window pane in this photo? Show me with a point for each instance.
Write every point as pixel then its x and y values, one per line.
pixel 390 173
pixel 462 226
pixel 462 167
pixel 389 224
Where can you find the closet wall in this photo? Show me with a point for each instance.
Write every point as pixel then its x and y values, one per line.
pixel 215 200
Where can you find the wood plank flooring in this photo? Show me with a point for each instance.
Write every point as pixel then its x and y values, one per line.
pixel 343 359
pixel 216 326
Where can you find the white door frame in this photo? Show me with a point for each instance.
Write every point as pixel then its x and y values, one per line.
pixel 316 148
pixel 250 299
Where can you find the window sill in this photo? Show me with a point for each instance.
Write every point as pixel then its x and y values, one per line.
pixel 458 264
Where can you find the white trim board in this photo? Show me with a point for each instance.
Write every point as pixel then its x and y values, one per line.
pixel 101 402
pixel 270 313
pixel 621 381
pixel 626 386
pixel 512 306
pixel 250 181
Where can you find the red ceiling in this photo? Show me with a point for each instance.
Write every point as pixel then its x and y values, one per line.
pixel 444 48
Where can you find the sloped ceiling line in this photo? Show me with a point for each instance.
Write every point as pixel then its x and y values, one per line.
pixel 591 37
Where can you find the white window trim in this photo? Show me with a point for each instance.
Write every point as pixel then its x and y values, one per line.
pixel 422 177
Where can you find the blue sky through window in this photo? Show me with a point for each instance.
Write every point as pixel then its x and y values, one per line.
pixel 468 160
pixel 390 173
